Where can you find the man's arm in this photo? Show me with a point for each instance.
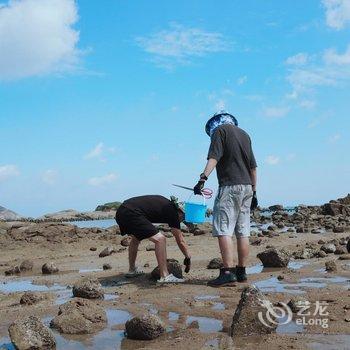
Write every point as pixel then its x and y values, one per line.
pixel 253 177
pixel 181 242
pixel 211 164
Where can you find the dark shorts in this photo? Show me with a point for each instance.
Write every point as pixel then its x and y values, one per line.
pixel 133 223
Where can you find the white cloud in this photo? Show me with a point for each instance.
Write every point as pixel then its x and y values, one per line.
pixel 334 138
pixel 337 13
pixel 298 59
pixel 49 177
pixel 307 104
pixel 275 112
pixel 37 38
pixel 178 44
pixel 8 171
pixel 242 80
pixel 100 152
pixel 102 180
pixel 272 160
pixel 332 57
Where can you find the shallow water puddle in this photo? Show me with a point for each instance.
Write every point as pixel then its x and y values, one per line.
pixel 25 285
pixel 173 316
pixel 285 327
pixel 258 268
pixel 206 297
pixel 218 306
pixel 206 324
pixel 328 341
pixel 90 270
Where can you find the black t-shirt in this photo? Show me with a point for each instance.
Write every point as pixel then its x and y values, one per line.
pixel 232 148
pixel 157 209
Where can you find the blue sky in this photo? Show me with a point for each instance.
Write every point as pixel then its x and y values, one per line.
pixel 103 100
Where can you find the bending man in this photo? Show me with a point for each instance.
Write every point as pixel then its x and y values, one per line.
pixel 136 216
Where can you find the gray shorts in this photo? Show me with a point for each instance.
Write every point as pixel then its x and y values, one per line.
pixel 231 211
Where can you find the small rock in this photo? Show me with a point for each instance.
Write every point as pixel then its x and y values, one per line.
pixel 344 257
pixel 347 319
pixel 274 258
pixel 106 252
pixel 198 232
pixel 321 254
pixel 79 316
pixel 146 265
pixel 338 229
pixel 88 288
pixel 125 242
pixel 147 327
pixel 331 266
pixel 107 266
pixel 49 268
pixel 328 248
pixel 150 248
pixel 30 333
pixel 26 265
pixel 215 263
pixel 93 249
pixel 298 302
pixel 280 277
pixel 255 240
pixel 174 267
pixel 30 298
pixel 340 250
pixel 14 270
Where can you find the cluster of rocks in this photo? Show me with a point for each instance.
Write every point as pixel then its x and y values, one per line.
pixel 54 233
pixel 28 265
pixel 333 216
pixel 322 249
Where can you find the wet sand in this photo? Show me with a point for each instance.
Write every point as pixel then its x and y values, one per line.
pixel 178 305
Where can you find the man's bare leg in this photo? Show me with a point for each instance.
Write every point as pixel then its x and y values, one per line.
pixel 160 249
pixel 133 249
pixel 242 250
pixel 226 248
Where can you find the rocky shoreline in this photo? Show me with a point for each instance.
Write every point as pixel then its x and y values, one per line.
pixel 65 286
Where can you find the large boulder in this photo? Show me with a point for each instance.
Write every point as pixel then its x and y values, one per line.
pixel 147 327
pixel 79 316
pixel 30 298
pixel 174 267
pixel 89 288
pixel 26 265
pixel 49 268
pixel 274 258
pixel 329 248
pixel 251 314
pixel 31 334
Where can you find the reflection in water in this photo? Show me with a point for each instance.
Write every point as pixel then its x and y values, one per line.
pixel 206 324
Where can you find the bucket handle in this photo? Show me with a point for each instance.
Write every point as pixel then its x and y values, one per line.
pixel 192 194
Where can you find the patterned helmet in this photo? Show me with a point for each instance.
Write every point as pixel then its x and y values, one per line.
pixel 218 119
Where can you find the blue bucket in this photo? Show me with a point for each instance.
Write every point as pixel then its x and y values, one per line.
pixel 195 213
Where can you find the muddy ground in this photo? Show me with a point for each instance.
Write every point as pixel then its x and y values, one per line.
pixel 178 305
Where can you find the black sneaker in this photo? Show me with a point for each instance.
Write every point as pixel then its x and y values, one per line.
pixel 226 278
pixel 240 273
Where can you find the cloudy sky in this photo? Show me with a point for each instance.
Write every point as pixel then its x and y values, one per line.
pixel 102 100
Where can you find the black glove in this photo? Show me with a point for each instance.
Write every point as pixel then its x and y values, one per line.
pixel 198 188
pixel 254 204
pixel 200 184
pixel 187 263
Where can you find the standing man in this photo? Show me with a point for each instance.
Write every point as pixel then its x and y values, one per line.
pixel 136 216
pixel 231 153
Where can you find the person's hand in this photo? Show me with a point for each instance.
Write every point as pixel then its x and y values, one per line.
pixel 187 263
pixel 198 188
pixel 200 184
pixel 254 204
